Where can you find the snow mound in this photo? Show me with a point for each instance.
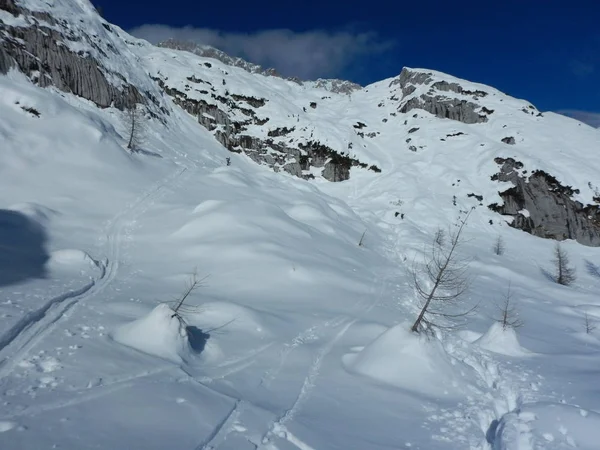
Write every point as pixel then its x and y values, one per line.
pixel 228 317
pixel 207 206
pixel 408 361
pixel 159 333
pixel 503 341
pixel 225 322
pixel 36 212
pixel 71 260
pixel 549 426
pixel 6 425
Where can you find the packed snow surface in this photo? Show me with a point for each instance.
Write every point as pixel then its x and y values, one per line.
pixel 298 337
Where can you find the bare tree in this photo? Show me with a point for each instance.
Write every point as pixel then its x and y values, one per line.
pixel 134 119
pixel 508 314
pixel 499 246
pixel 180 308
pixel 441 282
pixel 564 274
pixel 362 239
pixel 589 325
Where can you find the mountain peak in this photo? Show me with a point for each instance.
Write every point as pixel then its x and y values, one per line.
pixel 208 51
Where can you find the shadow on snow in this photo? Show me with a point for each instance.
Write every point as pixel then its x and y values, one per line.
pixel 22 248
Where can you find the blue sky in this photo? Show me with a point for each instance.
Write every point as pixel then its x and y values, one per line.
pixel 546 51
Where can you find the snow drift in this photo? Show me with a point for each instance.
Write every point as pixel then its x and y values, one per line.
pixel 408 361
pixel 501 340
pixel 160 333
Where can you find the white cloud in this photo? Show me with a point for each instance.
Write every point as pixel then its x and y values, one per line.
pixel 590 118
pixel 307 54
pixel 582 68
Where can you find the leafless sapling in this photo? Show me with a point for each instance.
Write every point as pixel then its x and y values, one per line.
pixel 134 119
pixel 508 314
pixel 564 274
pixel 499 246
pixel 362 239
pixel 441 283
pixel 179 306
pixel 590 326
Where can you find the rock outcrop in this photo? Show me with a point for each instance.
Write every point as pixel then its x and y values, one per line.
pixel 542 206
pixel 41 51
pixel 437 99
pixel 274 150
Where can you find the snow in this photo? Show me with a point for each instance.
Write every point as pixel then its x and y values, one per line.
pixel 74 261
pixel 298 337
pixel 501 340
pixel 160 333
pixel 408 361
pixel 549 426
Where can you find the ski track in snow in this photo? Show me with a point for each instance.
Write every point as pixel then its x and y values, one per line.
pixel 31 330
pixel 103 388
pixel 277 427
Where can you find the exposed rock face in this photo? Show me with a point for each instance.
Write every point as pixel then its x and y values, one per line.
pixel 540 205
pixel 334 85
pixel 42 53
pixel 272 150
pixel 436 101
pixel 206 51
pixel 509 140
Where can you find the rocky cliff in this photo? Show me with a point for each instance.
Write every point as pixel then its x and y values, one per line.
pixel 54 51
pixel 539 204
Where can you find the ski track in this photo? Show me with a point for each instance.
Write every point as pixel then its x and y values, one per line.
pixel 277 427
pixel 104 388
pixel 226 424
pixel 33 327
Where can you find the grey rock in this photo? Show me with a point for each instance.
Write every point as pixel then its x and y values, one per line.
pixel 267 151
pixel 293 168
pixel 442 106
pixel 10 6
pixel 509 140
pixel 553 213
pixel 454 109
pixel 336 172
pixel 335 85
pixel 40 53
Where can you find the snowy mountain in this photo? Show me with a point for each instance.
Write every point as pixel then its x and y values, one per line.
pixel 333 85
pixel 306 205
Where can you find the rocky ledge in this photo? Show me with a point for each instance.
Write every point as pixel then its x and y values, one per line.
pixel 539 204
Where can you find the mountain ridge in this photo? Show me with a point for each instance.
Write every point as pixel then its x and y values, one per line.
pixel 312 220
pixel 308 129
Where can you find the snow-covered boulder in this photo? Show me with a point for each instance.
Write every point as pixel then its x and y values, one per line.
pixel 501 340
pixel 409 361
pixel 73 261
pixel 160 333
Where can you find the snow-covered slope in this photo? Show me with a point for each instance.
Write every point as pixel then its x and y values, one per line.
pixel 298 337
